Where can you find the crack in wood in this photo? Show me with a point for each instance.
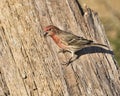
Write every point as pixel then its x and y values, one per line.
pixel 3 84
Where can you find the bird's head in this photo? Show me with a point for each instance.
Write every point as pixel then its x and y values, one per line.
pixel 50 30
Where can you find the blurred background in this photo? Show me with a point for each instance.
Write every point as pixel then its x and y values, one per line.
pixel 109 13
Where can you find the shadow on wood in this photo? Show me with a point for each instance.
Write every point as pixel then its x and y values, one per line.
pixel 91 50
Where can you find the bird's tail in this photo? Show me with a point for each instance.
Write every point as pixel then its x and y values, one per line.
pixel 99 45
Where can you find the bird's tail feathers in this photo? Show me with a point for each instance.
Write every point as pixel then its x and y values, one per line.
pixel 98 44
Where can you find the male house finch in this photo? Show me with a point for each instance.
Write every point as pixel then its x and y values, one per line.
pixel 68 41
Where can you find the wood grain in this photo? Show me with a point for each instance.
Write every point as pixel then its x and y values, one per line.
pixel 30 64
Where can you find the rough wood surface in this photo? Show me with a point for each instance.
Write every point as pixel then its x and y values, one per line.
pixel 30 64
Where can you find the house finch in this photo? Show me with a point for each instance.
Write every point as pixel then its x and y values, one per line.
pixel 68 41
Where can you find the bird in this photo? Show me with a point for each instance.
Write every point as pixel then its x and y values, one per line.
pixel 68 42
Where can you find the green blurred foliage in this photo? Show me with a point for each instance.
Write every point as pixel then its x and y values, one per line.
pixel 113 33
pixel 116 43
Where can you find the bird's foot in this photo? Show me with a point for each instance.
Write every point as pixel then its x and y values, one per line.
pixel 62 51
pixel 68 62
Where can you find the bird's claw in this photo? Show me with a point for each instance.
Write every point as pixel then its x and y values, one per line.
pixel 62 51
pixel 67 63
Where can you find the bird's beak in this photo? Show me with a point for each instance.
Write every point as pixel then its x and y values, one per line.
pixel 46 34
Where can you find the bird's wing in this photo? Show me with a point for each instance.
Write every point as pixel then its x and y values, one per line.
pixel 72 39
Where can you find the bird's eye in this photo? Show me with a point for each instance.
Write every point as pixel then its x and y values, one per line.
pixel 50 29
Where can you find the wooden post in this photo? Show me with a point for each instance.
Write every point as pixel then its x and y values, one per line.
pixel 30 64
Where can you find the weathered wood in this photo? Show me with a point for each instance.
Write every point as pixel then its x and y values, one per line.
pixel 30 64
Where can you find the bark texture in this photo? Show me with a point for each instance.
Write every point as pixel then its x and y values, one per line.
pixel 30 64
